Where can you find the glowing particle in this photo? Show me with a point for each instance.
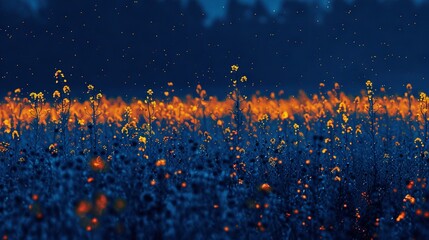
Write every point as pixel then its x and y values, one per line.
pixel 161 163
pixel 35 197
pixel 97 164
pixel 83 208
pixel 401 216
pixel 265 187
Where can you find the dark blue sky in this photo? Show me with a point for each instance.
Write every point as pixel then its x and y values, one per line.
pixel 129 46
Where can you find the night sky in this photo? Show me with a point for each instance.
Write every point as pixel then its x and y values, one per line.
pixel 125 47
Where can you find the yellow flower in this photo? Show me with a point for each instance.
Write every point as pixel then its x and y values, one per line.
pixel 345 118
pixel 285 115
pixel 99 96
pixel 142 139
pixel 295 126
pixel 234 68
pixel 150 92
pixel 66 89
pixel 369 84
pixel 56 94
pixel 124 130
pixel 160 163
pixel 358 130
pixel 342 108
pixel 243 79
pixel 15 134
pixel 40 96
pixel 18 90
pixel 33 95
pixel 90 87
pixel 58 73
pixel 330 123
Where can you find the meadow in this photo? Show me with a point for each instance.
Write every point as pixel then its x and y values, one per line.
pixel 320 166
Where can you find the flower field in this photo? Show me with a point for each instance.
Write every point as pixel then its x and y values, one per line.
pixel 323 165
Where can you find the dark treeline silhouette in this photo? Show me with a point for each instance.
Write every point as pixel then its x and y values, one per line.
pixel 126 47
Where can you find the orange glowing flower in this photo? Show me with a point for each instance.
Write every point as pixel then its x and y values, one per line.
pixel 97 164
pixel 401 216
pixel 83 208
pixel 409 198
pixel 35 197
pixel 160 163
pixel 265 187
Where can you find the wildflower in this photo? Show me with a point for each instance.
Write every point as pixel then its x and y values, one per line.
pixel 99 96
pixel 66 89
pixel 336 86
pixel 330 124
pixel 124 130
pixel 150 92
pixel 142 140
pixel 265 187
pixel 401 216
pixel 97 164
pixel 90 87
pixel 66 101
pixel 160 163
pixel 83 208
pixel 409 87
pixel 243 79
pixel 358 130
pixel 342 108
pixel 58 73
pixel 15 134
pixel 52 147
pixel 56 94
pixel 409 198
pixel 40 96
pixel 264 117
pixel 422 97
pixel 234 68
pixel 345 118
pixel 285 115
pixel 368 84
pixel 18 90
pixel 33 95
